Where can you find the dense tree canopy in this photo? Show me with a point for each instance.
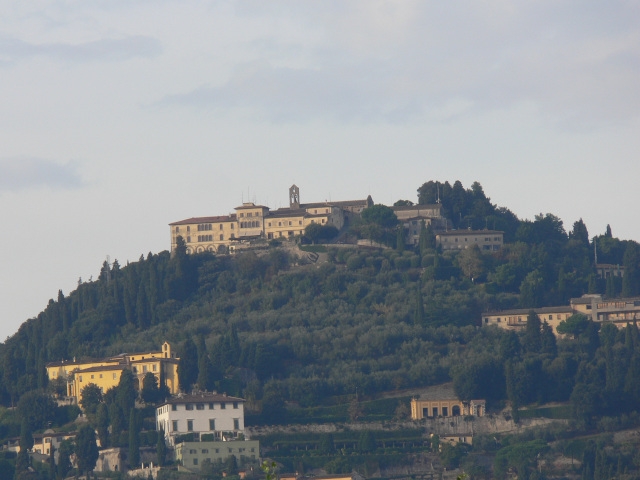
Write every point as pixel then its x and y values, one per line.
pixel 367 319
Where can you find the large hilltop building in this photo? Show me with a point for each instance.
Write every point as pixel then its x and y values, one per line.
pixel 220 234
pixel 106 372
pixel 251 221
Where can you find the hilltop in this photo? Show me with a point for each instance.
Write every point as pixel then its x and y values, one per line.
pixel 292 331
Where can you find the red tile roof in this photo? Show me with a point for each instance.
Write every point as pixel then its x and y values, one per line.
pixel 218 219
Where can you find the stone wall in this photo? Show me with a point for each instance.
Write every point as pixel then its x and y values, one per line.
pixel 439 426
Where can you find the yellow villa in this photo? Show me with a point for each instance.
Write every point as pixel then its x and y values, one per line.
pixel 106 372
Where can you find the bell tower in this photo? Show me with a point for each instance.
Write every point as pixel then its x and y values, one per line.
pixel 294 197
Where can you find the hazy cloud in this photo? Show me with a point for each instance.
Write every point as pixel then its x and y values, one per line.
pixel 13 50
pixel 295 94
pixel 22 173
pixel 577 63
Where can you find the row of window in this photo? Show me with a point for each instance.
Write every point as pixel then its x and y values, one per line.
pixel 242 458
pixel 193 451
pixel 209 238
pixel 475 239
pixel 204 227
pixel 252 224
pixel 93 376
pixel 559 316
pixel 212 425
pixel 200 406
pixel 144 369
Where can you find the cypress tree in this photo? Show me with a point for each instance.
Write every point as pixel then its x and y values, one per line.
pixel 611 287
pixel 400 239
pixel 116 418
pixel 64 463
pixel 205 372
pixel 532 336
pixel 161 448
pixel 126 393
pixel 102 425
pixel 134 440
pixel 142 308
pixel 419 315
pixel 129 309
pixel 52 463
pixel 86 449
pixel 548 340
pixel 188 366
pixel 422 240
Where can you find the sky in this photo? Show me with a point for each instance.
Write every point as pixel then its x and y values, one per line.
pixel 120 117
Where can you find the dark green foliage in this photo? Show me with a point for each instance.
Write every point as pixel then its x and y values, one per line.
pixel 317 232
pixel 134 439
pixel 102 424
pixel 52 463
pixel 366 442
pixel 522 457
pixel 206 372
pixel 326 444
pixel 400 239
pixel 483 378
pixel 548 340
pixel 64 462
pixel 7 469
pixel 90 398
pixel 574 325
pixel 86 449
pixel 126 393
pixel 380 215
pixel 631 279
pixel 419 316
pixel 150 392
pixel 37 409
pixel 161 448
pixel 532 340
pixel 26 437
pixel 188 366
pixel 116 418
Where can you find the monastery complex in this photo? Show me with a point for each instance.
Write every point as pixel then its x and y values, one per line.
pixel 220 234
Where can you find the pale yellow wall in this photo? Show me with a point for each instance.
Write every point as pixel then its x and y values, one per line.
pixel 279 227
pixel 141 368
pixel 248 213
pixel 103 379
pixel 43 445
pixel 221 233
pixel 462 240
pixel 509 321
pixel 78 377
pixel 57 371
pixel 417 406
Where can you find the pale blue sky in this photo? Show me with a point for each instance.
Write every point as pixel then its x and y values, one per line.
pixel 120 117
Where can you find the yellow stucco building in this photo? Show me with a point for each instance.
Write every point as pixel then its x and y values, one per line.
pixel 106 372
pixel 446 407
pixel 250 221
